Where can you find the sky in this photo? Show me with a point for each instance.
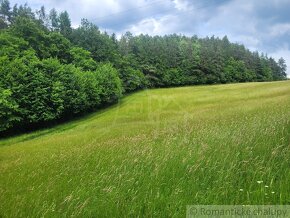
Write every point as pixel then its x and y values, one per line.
pixel 262 25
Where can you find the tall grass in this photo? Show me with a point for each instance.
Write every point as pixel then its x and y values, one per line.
pixel 154 153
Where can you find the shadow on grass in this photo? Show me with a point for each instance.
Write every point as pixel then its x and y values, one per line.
pixel 25 134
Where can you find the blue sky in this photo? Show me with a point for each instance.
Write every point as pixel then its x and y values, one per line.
pixel 262 25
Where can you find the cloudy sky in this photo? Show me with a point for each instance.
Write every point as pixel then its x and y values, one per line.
pixel 262 25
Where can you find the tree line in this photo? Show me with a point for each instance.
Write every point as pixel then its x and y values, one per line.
pixel 50 71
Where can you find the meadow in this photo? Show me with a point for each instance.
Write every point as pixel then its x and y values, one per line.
pixel 153 153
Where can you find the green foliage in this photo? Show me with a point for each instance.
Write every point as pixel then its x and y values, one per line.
pixel 30 31
pixel 236 71
pixel 282 67
pixel 132 80
pixel 30 88
pixel 8 110
pixel 3 24
pixel 152 75
pixel 196 61
pixel 43 17
pixel 110 84
pixel 23 11
pixel 82 58
pixel 68 90
pixel 11 46
pixel 75 97
pixel 91 88
pixel 46 90
pixel 54 20
pixel 59 47
pixel 58 98
pixel 65 24
pixel 174 77
pixel 89 37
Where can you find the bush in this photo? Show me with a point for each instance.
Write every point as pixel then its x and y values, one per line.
pixel 132 79
pixel 8 110
pixel 65 88
pixel 29 88
pixel 110 84
pixel 58 47
pixel 91 89
pixel 82 58
pixel 12 47
pixel 34 92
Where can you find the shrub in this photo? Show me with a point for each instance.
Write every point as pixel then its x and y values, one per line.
pixel 132 79
pixel 110 84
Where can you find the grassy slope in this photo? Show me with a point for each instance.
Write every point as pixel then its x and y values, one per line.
pixel 154 153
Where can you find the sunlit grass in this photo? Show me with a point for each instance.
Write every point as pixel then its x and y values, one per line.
pixel 154 153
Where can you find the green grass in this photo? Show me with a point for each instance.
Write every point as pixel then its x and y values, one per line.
pixel 154 153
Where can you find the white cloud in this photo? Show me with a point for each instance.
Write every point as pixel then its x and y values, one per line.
pixel 95 10
pixel 152 26
pixel 182 5
pixel 280 29
pixel 235 19
pixel 149 26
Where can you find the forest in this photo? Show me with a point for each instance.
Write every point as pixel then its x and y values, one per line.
pixel 50 71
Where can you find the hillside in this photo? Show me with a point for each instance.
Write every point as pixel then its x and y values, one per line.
pixel 154 153
pixel 51 71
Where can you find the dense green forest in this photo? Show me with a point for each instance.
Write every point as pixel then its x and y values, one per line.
pixel 50 71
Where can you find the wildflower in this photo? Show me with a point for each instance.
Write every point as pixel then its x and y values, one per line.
pixel 266 186
pixel 241 190
pixel 259 182
pixel 273 192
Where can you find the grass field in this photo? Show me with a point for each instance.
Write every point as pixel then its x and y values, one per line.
pixel 154 153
